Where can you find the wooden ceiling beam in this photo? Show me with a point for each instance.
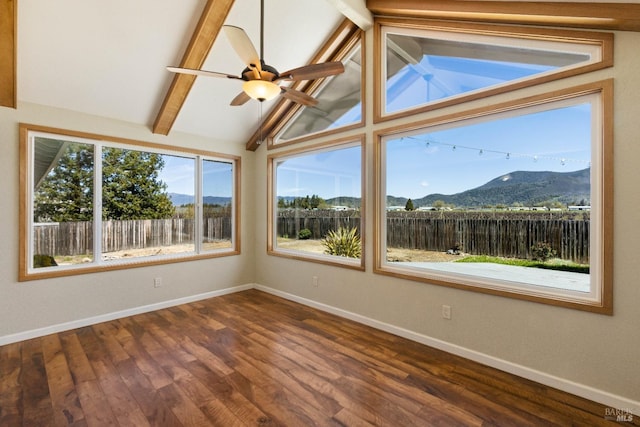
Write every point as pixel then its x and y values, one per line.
pixel 604 16
pixel 356 11
pixel 8 53
pixel 213 16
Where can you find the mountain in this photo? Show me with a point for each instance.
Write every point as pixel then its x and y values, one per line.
pixel 524 187
pixel 185 199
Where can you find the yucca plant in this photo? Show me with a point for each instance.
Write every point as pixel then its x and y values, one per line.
pixel 343 242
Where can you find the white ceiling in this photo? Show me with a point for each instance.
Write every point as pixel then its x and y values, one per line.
pixel 108 58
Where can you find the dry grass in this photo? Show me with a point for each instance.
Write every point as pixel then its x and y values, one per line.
pixel 393 254
pixel 143 252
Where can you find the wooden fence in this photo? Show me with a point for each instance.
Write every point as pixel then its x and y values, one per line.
pixel 76 238
pixel 505 235
pixel 512 238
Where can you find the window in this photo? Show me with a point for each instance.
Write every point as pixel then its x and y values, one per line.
pixel 429 65
pixel 316 203
pixel 340 98
pixel 339 105
pixel 90 203
pixel 508 199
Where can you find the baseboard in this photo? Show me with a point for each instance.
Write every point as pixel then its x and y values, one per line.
pixel 35 333
pixel 587 392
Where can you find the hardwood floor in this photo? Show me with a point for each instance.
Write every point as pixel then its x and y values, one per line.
pixel 252 359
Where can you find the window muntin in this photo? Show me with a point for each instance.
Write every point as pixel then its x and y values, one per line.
pixel 465 165
pixel 313 193
pixel 146 195
pixel 423 67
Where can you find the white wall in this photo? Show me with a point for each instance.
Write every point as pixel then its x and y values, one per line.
pixel 593 351
pixel 33 305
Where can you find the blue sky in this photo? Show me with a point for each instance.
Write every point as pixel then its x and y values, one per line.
pixel 178 174
pixel 458 159
pixel 442 161
pixel 327 174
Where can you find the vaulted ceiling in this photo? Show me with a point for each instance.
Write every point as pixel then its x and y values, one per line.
pixel 109 58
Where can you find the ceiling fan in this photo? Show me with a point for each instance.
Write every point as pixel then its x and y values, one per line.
pixel 260 79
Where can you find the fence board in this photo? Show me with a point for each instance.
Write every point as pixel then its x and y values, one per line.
pixel 76 238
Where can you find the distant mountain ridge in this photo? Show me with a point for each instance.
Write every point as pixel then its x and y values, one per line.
pixel 524 187
pixel 185 199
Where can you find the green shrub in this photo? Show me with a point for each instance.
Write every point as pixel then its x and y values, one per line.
pixel 542 251
pixel 40 260
pixel 304 234
pixel 343 242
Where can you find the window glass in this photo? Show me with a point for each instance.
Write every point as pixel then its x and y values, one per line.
pixel 63 201
pixel 217 206
pixel 317 199
pixel 339 103
pixel 427 66
pixel 510 201
pixel 138 216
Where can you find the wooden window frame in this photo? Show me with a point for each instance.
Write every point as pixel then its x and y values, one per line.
pixel 604 40
pixel 26 273
pixel 604 232
pixel 272 249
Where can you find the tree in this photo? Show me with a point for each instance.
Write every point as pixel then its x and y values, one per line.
pixel 439 205
pixel 66 194
pixel 409 205
pixel 131 188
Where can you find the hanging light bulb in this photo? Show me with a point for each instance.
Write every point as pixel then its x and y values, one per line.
pixel 562 162
pixel 535 158
pixel 454 148
pixel 508 156
pixel 480 153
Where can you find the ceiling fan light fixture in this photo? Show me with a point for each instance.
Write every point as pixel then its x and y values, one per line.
pixel 261 90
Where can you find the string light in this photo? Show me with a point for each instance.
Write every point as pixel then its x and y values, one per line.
pixel 507 155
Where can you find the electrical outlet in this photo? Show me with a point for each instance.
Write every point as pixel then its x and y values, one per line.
pixel 314 281
pixel 157 282
pixel 446 312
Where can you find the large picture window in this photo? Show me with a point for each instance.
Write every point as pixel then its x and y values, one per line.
pixel 510 199
pixel 428 65
pixel 90 203
pixel 316 204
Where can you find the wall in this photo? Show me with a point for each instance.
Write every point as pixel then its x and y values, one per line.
pixel 590 354
pixel 33 305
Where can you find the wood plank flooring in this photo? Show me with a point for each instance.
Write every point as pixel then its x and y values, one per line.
pixel 252 359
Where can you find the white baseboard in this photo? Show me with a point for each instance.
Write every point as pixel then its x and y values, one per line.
pixel 587 392
pixel 61 327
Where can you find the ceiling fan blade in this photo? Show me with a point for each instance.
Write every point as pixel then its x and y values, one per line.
pixel 314 71
pixel 201 73
pixel 240 99
pixel 241 43
pixel 299 97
